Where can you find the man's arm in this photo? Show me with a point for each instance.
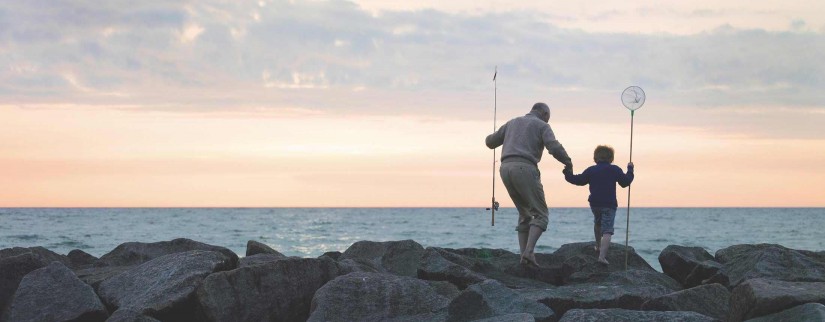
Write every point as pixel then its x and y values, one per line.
pixel 496 139
pixel 554 147
pixel 625 179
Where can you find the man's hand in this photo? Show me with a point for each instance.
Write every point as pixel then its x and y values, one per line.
pixel 568 168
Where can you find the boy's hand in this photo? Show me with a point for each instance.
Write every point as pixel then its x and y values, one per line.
pixel 568 168
pixel 630 164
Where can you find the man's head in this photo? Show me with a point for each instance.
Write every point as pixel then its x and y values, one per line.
pixel 603 153
pixel 542 111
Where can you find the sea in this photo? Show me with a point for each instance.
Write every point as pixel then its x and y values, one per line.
pixel 310 232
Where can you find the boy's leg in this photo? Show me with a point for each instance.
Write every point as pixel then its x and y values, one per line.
pixel 605 246
pixel 597 227
pixel 608 217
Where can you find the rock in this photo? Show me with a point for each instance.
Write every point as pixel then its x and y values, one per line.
pixel 254 248
pixel 467 266
pixel 710 300
pixel 707 272
pixel 806 312
pixel 349 265
pixel 80 259
pixel 744 262
pixel 258 259
pixel 626 290
pixel 620 315
pixel 275 291
pixel 491 298
pixel 376 297
pixel 164 287
pixel 436 268
pixel 135 253
pixel 129 315
pixel 96 275
pixel 45 255
pixel 395 257
pixel 515 317
pixel 581 259
pixel 642 277
pixel 758 297
pixel 679 261
pixel 333 255
pixel 54 293
pixel 445 289
pixel 14 268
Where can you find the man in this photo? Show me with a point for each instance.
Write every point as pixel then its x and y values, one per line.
pixel 523 139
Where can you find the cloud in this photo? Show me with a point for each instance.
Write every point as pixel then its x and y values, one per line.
pixel 339 57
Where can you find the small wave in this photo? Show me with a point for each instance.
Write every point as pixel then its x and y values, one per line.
pixel 69 244
pixel 25 237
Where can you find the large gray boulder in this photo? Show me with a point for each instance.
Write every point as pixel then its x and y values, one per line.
pixel 707 272
pixel 136 253
pixel 394 257
pixel 435 267
pixel 80 259
pixel 350 265
pixel 445 289
pixel 711 300
pixel 96 275
pixel 579 261
pixel 626 290
pixel 276 291
pixel 512 317
pixel 679 261
pixel 620 315
pixel 12 270
pixel 54 293
pixel 466 266
pixel 129 315
pixel 45 255
pixel 809 312
pixel 490 298
pixel 255 247
pixel 258 259
pixel 744 262
pixel 377 297
pixel 164 287
pixel 758 297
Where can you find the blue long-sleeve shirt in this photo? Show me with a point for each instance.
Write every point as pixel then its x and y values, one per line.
pixel 602 178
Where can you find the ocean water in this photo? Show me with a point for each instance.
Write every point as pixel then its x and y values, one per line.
pixel 309 232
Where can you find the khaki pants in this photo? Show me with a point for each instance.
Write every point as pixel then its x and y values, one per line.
pixel 523 183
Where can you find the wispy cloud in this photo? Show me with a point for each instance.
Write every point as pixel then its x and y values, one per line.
pixel 339 56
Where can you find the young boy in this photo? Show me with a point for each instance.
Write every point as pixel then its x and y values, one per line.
pixel 602 178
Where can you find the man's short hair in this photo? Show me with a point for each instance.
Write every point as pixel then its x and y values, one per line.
pixel 603 153
pixel 541 107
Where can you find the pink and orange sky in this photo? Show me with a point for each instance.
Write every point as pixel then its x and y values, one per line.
pixel 387 103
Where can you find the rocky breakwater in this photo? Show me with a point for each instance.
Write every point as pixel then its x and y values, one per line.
pixel 185 280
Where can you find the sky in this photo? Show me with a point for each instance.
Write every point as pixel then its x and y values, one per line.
pixel 380 103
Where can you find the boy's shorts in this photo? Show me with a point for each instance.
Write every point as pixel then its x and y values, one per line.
pixel 604 216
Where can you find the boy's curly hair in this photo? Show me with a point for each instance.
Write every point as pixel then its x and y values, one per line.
pixel 603 153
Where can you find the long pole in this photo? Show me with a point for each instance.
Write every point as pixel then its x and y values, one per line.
pixel 495 101
pixel 627 229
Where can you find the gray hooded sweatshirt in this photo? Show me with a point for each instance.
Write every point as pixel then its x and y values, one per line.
pixel 524 138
